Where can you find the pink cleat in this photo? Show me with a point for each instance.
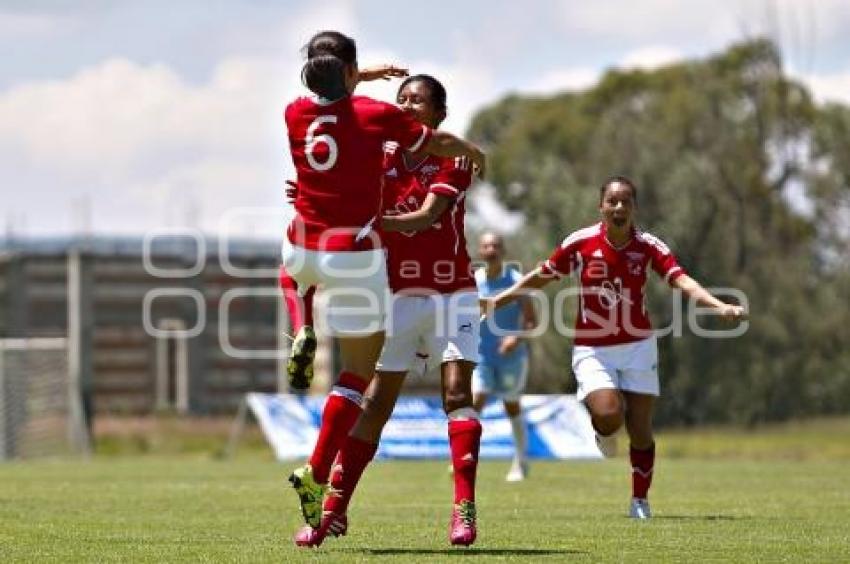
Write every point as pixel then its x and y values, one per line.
pixel 463 530
pixel 332 524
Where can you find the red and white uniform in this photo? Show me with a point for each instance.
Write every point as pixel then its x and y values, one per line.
pixel 434 259
pixel 614 341
pixel 435 302
pixel 337 149
pixel 612 307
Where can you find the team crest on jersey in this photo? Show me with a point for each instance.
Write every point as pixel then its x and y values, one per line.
pixel 635 268
pixel 430 169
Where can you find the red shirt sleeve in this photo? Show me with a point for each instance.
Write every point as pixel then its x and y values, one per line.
pixel 453 178
pixel 662 259
pixel 401 127
pixel 563 259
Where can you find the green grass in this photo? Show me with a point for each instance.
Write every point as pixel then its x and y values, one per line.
pixel 183 508
pixel 813 440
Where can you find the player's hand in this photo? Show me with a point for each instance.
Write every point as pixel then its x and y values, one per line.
pixel 291 191
pixel 731 312
pixel 479 161
pixel 508 344
pixel 381 72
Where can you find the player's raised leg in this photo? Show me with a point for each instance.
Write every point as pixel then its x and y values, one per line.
pixel 356 453
pixel 338 417
pixel 299 367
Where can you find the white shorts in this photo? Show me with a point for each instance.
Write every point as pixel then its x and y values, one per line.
pixel 505 379
pixel 632 367
pixel 443 326
pixel 354 284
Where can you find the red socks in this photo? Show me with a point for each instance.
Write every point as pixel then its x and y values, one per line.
pixel 642 463
pixel 338 417
pixel 353 458
pixel 300 310
pixel 464 440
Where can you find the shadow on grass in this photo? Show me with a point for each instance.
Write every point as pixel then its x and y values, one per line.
pixel 701 517
pixel 471 551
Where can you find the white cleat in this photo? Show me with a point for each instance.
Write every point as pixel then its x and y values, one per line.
pixel 639 509
pixel 518 472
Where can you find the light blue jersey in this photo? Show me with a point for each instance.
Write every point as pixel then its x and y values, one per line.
pixel 508 319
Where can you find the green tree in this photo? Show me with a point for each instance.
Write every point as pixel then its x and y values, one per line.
pixel 746 178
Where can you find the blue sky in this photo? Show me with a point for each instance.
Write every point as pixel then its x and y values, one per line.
pixel 125 117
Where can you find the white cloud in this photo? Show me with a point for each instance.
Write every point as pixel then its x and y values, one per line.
pixel 649 19
pixel 139 138
pixel 489 213
pixel 651 57
pixel 145 143
pixel 559 80
pixel 582 78
pixel 334 14
pixel 834 87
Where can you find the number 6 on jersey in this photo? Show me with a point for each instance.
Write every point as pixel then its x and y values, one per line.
pixel 312 140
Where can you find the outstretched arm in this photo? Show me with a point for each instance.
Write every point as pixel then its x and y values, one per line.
pixel 444 144
pixel 381 72
pixel 421 219
pixel 695 291
pixel 528 321
pixel 532 281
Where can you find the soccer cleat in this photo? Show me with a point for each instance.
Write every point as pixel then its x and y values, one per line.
pixel 299 368
pixel 310 494
pixel 331 524
pixel 463 529
pixel 639 509
pixel 518 471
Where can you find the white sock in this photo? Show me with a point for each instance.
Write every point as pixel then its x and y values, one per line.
pixel 520 438
pixel 462 414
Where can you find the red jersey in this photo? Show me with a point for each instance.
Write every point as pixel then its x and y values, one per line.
pixel 337 148
pixel 612 309
pixel 434 259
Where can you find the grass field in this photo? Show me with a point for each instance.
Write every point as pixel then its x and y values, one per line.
pixel 190 508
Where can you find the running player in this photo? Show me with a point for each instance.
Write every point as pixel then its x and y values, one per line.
pixel 336 141
pixel 503 369
pixel 435 305
pixel 615 358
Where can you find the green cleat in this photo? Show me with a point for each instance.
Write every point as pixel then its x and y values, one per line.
pixel 300 365
pixel 310 494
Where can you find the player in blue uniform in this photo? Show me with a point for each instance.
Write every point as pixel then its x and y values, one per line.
pixel 503 369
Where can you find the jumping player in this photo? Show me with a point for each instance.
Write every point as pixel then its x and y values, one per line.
pixel 435 305
pixel 615 358
pixel 503 369
pixel 336 141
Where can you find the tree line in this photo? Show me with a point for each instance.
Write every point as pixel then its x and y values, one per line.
pixel 745 176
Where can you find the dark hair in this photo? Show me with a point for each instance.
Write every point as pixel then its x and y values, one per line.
pixel 617 179
pixel 328 55
pixel 435 88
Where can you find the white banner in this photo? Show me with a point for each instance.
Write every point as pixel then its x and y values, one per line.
pixel 558 427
